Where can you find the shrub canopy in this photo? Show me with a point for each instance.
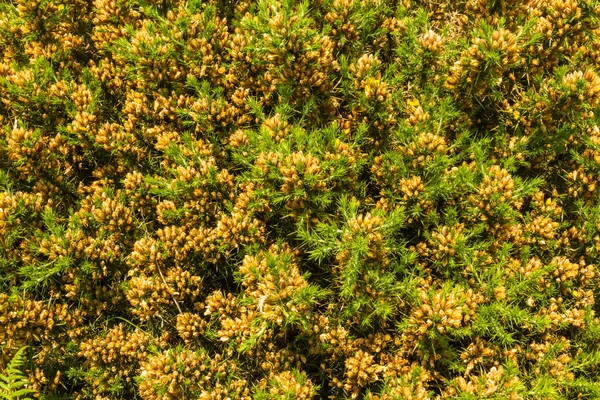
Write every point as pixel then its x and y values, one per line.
pixel 300 200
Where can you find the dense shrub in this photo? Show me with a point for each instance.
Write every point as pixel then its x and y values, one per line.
pixel 281 199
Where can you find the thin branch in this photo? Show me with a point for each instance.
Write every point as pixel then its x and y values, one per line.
pixel 167 285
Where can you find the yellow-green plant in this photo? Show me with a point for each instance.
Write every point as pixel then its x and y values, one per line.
pixel 329 199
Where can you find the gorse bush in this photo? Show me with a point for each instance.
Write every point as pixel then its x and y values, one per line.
pixel 300 200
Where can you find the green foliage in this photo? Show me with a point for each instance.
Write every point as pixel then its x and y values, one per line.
pixel 296 199
pixel 13 382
